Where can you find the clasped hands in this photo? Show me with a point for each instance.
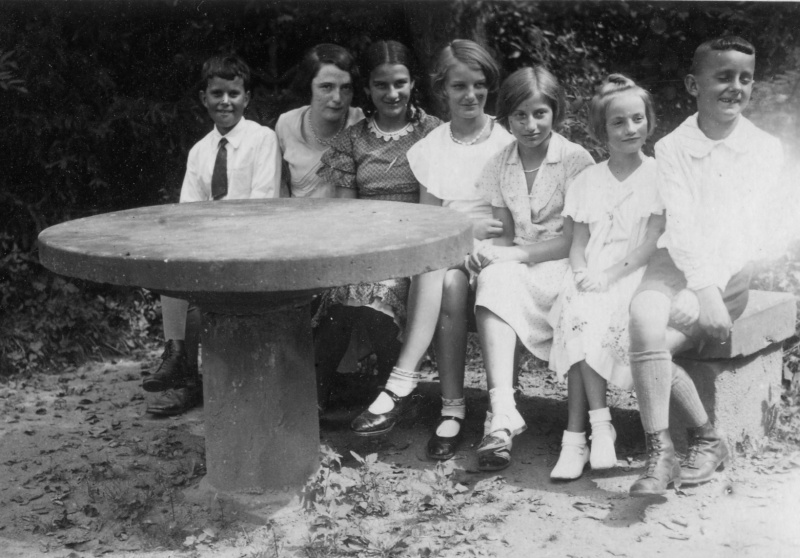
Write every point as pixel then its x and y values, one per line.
pixel 590 281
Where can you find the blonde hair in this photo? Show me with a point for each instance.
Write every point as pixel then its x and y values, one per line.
pixel 466 52
pixel 612 86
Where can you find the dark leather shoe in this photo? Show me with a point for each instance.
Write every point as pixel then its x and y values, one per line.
pixel 371 424
pixel 173 372
pixel 176 401
pixel 663 467
pixel 445 447
pixel 707 454
pixel 494 452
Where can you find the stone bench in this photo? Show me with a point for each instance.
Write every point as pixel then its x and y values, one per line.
pixel 740 381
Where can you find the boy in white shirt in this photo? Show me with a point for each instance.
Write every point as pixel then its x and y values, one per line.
pixel 238 159
pixel 717 175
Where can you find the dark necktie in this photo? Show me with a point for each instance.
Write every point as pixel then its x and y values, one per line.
pixel 219 178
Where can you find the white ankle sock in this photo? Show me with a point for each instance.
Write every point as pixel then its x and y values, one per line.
pixel 603 455
pixel 401 383
pixel 451 408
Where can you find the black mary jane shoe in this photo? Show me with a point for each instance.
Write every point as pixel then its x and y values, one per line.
pixel 445 447
pixel 371 424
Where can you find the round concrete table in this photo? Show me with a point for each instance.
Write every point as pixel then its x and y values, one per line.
pixel 252 266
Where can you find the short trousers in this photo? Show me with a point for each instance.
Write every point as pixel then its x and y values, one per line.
pixel 662 275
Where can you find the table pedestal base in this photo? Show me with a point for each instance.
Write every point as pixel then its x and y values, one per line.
pixel 260 403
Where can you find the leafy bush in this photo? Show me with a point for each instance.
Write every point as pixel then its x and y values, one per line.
pixel 57 322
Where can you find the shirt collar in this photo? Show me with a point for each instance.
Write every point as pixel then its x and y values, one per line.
pixel 234 137
pixel 554 151
pixel 699 145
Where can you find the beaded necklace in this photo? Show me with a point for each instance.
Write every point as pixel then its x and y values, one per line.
pixel 473 140
pixel 329 141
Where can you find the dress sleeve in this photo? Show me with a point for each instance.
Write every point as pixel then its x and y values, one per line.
pixel 338 162
pixel 575 203
pixel 489 182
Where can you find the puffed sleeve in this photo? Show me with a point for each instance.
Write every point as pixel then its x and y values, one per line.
pixel 576 202
pixel 489 182
pixel 338 161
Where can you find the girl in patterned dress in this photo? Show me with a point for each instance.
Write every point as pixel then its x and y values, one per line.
pixel 522 272
pixel 368 161
pixel 447 164
pixel 618 217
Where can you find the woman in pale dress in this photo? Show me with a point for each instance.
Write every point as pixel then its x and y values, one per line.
pixel 446 163
pixel 618 218
pixel 326 79
pixel 522 273
pixel 368 161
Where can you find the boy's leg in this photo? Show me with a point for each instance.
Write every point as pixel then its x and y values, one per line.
pixel 651 368
pixel 173 370
pixel 383 332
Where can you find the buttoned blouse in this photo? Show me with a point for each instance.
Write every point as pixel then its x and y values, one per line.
pixel 537 216
pixel 720 197
pixel 254 164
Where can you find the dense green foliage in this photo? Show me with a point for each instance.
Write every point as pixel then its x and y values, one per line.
pixel 100 103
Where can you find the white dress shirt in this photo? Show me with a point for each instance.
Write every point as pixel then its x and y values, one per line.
pixel 254 164
pixel 720 197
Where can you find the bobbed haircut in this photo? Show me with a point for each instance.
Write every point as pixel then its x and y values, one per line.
pixel 614 86
pixel 392 53
pixel 314 59
pixel 526 83
pixel 466 52
pixel 726 42
pixel 227 66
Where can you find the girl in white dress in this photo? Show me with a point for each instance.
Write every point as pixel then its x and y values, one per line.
pixel 618 218
pixel 522 273
pixel 447 164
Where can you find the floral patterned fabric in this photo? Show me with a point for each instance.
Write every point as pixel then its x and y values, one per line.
pixel 594 326
pixel 522 295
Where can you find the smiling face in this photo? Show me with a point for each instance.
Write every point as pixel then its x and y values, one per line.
pixel 531 122
pixel 390 87
pixel 626 123
pixel 331 93
pixel 466 92
pixel 722 85
pixel 225 101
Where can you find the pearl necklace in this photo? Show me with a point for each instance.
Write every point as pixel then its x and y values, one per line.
pixel 532 170
pixel 329 141
pixel 473 140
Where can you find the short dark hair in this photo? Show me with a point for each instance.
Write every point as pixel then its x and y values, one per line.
pixel 314 59
pixel 391 52
pixel 612 86
pixel 227 66
pixel 726 42
pixel 466 52
pixel 524 84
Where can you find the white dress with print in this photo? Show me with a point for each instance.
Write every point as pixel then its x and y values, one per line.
pixel 523 294
pixel 594 326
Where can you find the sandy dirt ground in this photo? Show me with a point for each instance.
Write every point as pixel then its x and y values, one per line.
pixel 84 471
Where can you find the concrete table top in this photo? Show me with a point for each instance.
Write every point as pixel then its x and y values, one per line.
pixel 252 266
pixel 256 246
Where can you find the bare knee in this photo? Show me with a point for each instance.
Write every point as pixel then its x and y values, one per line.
pixel 649 315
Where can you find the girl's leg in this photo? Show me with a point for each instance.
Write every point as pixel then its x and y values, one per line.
pixel 383 332
pixel 651 367
pixel 424 302
pixel 498 341
pixel 603 455
pixel 574 453
pixel 451 347
pixel 331 339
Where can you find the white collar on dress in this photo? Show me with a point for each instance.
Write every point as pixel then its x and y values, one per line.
pixel 554 151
